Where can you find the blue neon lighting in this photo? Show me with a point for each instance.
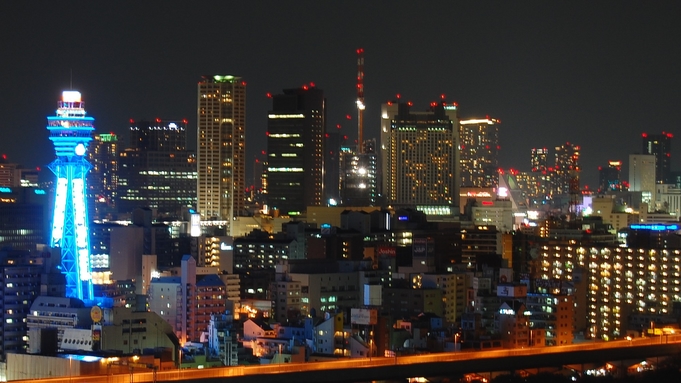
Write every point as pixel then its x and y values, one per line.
pixel 5 190
pixel 403 218
pixel 654 227
pixel 70 130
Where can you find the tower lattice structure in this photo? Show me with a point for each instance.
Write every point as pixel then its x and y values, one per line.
pixel 70 132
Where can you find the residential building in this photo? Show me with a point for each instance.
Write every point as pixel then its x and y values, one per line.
pixel 221 143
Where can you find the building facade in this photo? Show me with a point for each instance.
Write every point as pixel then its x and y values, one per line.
pixel 295 149
pixel 659 145
pixel 420 156
pixel 156 171
pixel 479 142
pixel 221 143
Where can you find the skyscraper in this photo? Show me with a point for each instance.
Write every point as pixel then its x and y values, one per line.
pixel 295 149
pixel 566 169
pixel 642 176
pixel 479 139
pixel 420 156
pixel 156 170
pixel 359 184
pixel 103 179
pixel 70 133
pixel 609 177
pixel 221 141
pixel 660 146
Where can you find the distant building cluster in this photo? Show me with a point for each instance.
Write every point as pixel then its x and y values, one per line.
pixel 145 252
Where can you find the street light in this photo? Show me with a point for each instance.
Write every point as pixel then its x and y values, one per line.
pixel 456 337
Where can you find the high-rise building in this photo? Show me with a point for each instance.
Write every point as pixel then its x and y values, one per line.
pixel 539 160
pixel 156 171
pixel 359 181
pixel 221 141
pixel 479 142
pixel 609 178
pixel 70 133
pixel 103 179
pixel 566 169
pixel 659 145
pixel 295 149
pixel 642 176
pixel 332 167
pixel 420 156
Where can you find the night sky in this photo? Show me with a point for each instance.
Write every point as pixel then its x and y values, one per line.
pixel 593 73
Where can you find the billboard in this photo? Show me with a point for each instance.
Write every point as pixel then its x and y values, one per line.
pixel 363 316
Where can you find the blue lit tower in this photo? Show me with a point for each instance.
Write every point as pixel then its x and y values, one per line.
pixel 70 132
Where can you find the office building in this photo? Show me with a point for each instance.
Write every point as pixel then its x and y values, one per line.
pixel 609 177
pixel 642 176
pixel 359 178
pixel 659 145
pixel 103 179
pixel 479 142
pixel 157 171
pixel 70 132
pixel 25 217
pixel 221 142
pixel 420 156
pixel 295 148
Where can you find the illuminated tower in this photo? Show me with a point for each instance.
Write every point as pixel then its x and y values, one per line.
pixel 70 132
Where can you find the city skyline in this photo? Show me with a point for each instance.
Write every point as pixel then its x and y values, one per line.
pixel 596 75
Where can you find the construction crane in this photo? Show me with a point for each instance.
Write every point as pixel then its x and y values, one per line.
pixel 360 100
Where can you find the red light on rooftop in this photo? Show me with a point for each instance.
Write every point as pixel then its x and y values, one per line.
pixel 326 135
pixel 132 121
pixel 398 96
pixel 498 147
pixel 360 50
pixel 267 134
pixel 410 103
pixel 348 117
pixel 312 84
pixel 305 87
pixel 338 126
pixel 184 121
pixel 455 103
pixel 345 137
pixel 669 135
pixel 263 152
pixel 257 161
pixel 243 83
pixel 600 168
pixel 644 135
pixel 442 96
pixel 37 168
pixel 158 120
pixel 269 95
pixel 389 103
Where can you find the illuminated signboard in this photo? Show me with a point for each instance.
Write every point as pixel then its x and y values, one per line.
pixel 195 226
pixel 654 227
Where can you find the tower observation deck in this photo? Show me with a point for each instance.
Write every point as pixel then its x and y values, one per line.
pixel 70 132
